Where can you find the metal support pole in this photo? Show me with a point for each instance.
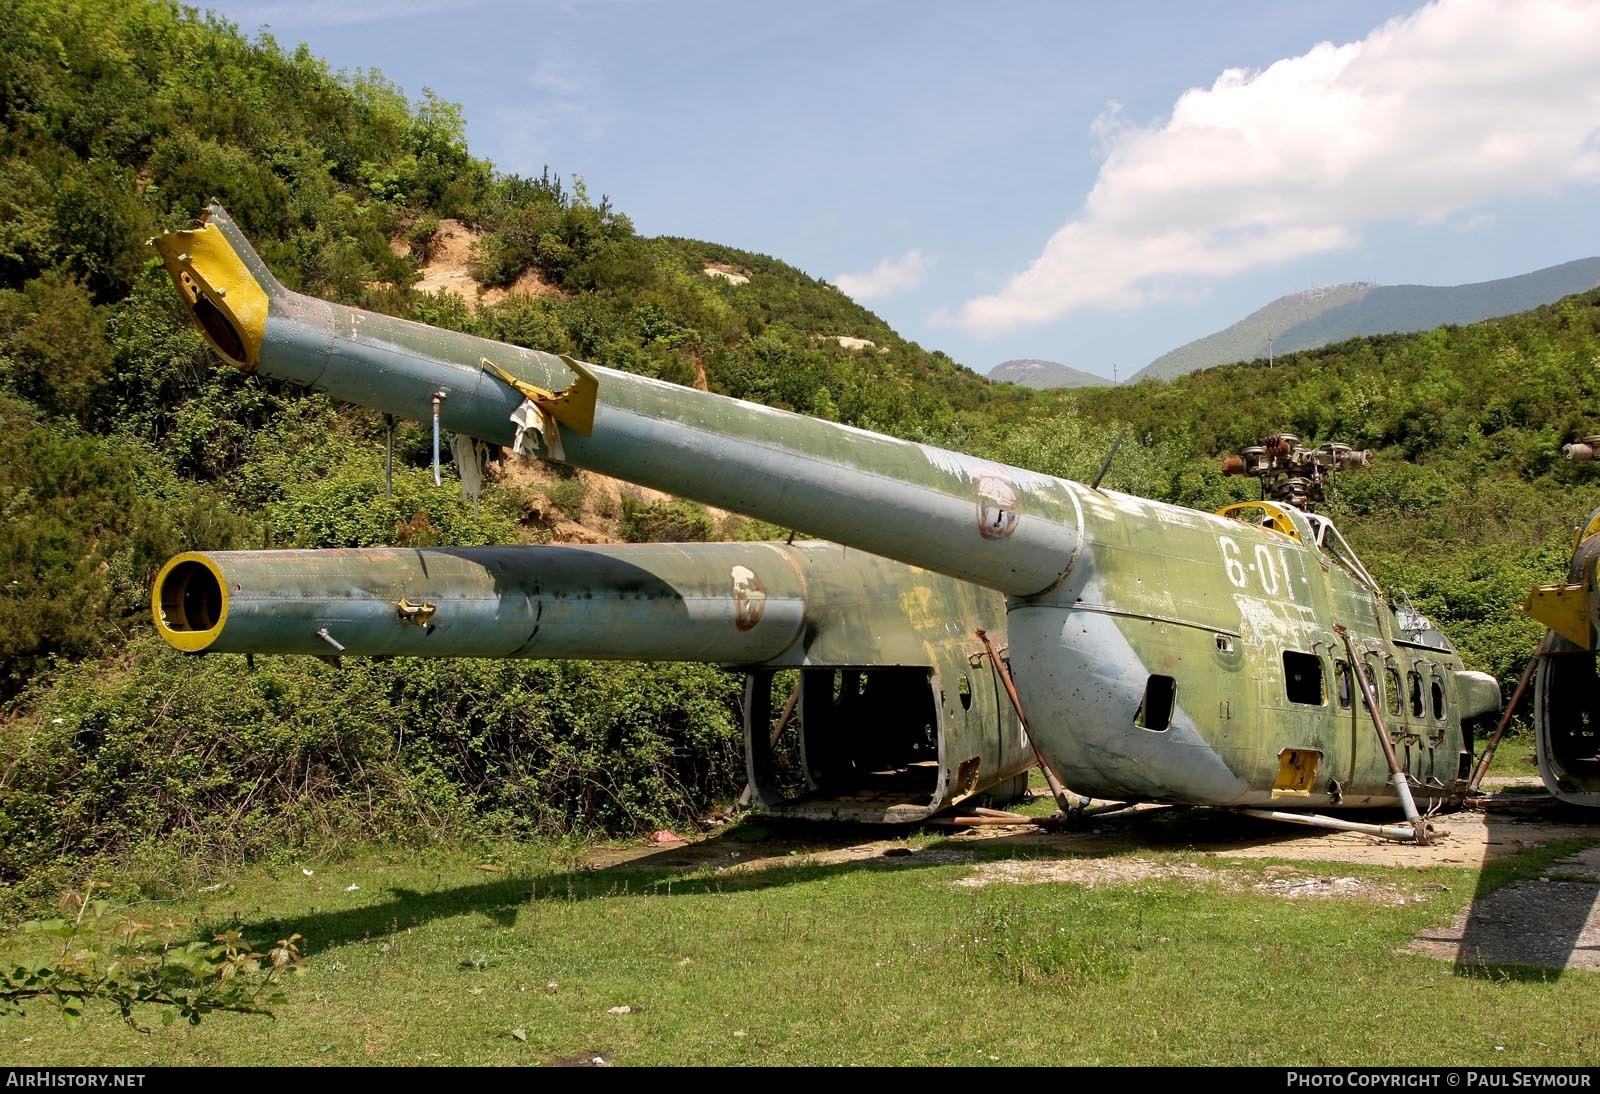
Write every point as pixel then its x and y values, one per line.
pixel 1505 716
pixel 437 395
pixel 772 741
pixel 1419 828
pixel 1057 789
pixel 1316 820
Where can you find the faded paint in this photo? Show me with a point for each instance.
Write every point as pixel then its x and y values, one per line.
pixel 749 598
pixel 1160 653
pixel 747 606
pixel 997 507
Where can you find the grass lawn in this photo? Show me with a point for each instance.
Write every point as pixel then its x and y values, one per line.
pixel 426 958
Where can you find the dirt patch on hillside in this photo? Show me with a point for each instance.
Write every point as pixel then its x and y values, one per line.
pixel 850 341
pixel 587 513
pixel 733 275
pixel 448 268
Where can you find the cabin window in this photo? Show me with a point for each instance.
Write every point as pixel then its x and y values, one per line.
pixel 1374 683
pixel 964 691
pixel 1438 699
pixel 1344 683
pixel 1155 709
pixel 1302 678
pixel 1415 680
pixel 1394 690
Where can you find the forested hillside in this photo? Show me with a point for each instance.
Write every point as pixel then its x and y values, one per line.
pixel 1032 372
pixel 129 441
pixel 1470 502
pixel 1316 317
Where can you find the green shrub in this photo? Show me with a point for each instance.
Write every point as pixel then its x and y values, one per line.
pixel 218 763
pixel 86 523
pixel 53 349
pixel 664 521
pixel 568 495
pixel 350 507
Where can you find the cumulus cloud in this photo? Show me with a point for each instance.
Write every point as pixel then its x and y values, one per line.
pixel 891 276
pixel 1428 119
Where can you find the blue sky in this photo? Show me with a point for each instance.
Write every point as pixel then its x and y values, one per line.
pixel 1093 184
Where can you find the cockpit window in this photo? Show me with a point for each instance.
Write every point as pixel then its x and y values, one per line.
pixel 1334 547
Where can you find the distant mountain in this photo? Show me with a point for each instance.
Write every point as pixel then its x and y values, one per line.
pixel 1247 339
pixel 1317 317
pixel 1032 372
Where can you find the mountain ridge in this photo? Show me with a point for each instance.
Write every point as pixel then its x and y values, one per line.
pixel 1035 372
pixel 1332 313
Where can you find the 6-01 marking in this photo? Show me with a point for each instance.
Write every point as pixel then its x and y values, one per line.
pixel 1265 567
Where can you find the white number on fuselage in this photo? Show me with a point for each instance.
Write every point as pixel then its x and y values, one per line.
pixel 1265 568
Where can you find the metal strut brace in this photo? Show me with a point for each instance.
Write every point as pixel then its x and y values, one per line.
pixel 388 455
pixel 1057 790
pixel 1419 827
pixel 437 395
pixel 1505 717
pixel 777 731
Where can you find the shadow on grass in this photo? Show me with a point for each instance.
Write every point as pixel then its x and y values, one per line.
pixel 1523 926
pixel 720 863
pixel 765 854
pixel 1510 902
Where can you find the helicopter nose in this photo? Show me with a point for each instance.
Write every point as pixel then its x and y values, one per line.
pixel 1108 724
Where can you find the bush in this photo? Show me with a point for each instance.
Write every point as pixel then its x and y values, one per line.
pixel 568 495
pixel 87 522
pixel 350 507
pixel 53 349
pixel 664 521
pixel 218 763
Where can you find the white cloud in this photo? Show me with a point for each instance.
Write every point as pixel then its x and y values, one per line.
pixel 1428 119
pixel 887 278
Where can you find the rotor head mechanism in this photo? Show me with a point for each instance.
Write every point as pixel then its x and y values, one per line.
pixel 1293 474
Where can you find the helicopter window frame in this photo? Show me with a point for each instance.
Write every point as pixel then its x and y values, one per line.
pixel 1344 683
pixel 1335 547
pixel 1414 689
pixel 1392 689
pixel 1374 681
pixel 1299 683
pixel 1157 704
pixel 1441 699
